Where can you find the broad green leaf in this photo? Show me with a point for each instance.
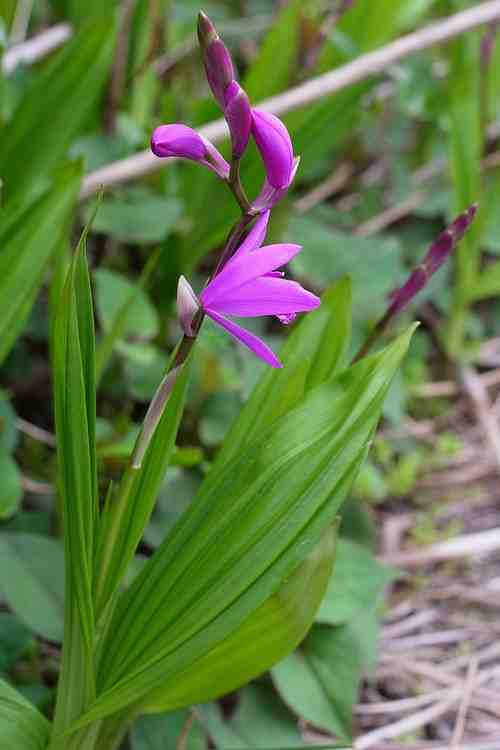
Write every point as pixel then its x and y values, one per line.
pixel 74 395
pixel 124 310
pixel 355 585
pixel 165 731
pixel 269 634
pixel 315 350
pixel 125 518
pixel 373 263
pixel 251 525
pixel 11 492
pixel 260 721
pixel 137 216
pixel 272 70
pixel 32 581
pixel 15 640
pixel 177 490
pixel 320 682
pixel 75 417
pixel 112 291
pixel 55 106
pixel 30 235
pixel 22 727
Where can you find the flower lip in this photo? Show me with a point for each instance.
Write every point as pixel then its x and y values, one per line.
pixel 275 146
pixel 178 140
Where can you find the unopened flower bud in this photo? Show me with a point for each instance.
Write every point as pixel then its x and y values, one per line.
pixel 187 306
pixel 437 254
pixel 238 114
pixel 179 141
pixel 219 66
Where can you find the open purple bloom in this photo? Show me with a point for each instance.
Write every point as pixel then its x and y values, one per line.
pixel 179 141
pixel 250 285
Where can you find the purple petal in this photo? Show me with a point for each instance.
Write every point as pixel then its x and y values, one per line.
pixel 246 268
pixel 269 196
pixel 178 140
pixel 216 161
pixel 267 296
pixel 254 238
pixel 256 345
pixel 285 320
pixel 275 146
pixel 238 114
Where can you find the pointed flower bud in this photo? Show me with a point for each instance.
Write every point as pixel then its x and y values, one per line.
pixel 437 254
pixel 219 66
pixel 275 146
pixel 185 143
pixel 238 114
pixel 187 306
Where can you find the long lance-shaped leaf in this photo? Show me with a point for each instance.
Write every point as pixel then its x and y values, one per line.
pixel 124 520
pixel 315 351
pixel 75 412
pixel 267 636
pixel 30 235
pixel 251 525
pixel 22 727
pixel 55 106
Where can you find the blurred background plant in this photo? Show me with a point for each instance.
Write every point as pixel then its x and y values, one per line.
pixel 386 161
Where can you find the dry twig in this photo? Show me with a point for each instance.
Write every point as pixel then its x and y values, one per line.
pixel 365 66
pixel 37 48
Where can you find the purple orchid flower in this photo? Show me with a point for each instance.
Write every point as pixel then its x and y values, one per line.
pixel 185 143
pixel 275 147
pixel 250 285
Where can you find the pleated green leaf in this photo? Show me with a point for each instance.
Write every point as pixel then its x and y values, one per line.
pixel 124 519
pixel 269 634
pixel 75 415
pixel 251 525
pixel 315 351
pixel 32 581
pixel 55 106
pixel 22 727
pixel 30 235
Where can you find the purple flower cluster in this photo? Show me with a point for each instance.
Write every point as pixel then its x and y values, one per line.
pixel 249 283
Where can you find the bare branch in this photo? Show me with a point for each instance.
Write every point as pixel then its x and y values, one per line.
pixel 35 49
pixel 365 66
